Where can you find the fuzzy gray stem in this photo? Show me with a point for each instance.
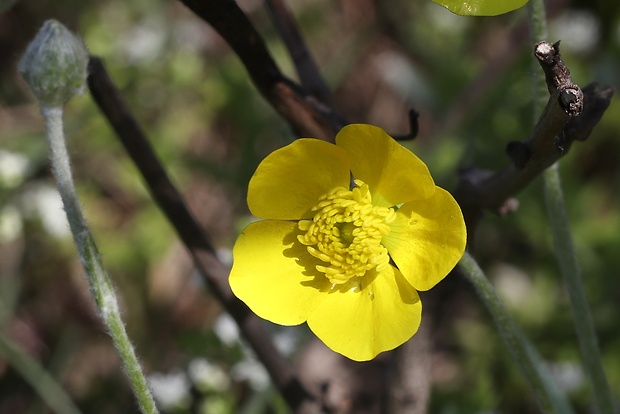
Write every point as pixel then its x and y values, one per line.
pixel 100 285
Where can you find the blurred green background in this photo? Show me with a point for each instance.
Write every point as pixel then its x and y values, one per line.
pixel 468 77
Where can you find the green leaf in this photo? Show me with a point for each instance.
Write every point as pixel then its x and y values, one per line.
pixel 481 7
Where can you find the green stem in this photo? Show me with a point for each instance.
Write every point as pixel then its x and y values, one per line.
pixel 100 284
pixel 531 364
pixel 569 268
pixel 563 241
pixel 39 379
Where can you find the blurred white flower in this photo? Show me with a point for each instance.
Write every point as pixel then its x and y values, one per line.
pixel 43 201
pixel 13 168
pixel 226 329
pixel 286 340
pixel 252 371
pixel 170 390
pixel 569 375
pixel 208 376
pixel 579 30
pixel 144 42
pixel 11 224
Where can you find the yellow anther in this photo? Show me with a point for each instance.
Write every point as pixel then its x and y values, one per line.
pixel 346 232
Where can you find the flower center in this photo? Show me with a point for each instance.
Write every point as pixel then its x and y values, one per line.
pixel 346 233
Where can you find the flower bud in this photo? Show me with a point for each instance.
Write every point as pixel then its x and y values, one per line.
pixel 54 65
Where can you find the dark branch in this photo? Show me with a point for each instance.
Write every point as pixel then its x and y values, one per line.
pixel 111 103
pixel 556 72
pixel 595 103
pixel 307 70
pixel 569 115
pixel 307 116
pixel 413 127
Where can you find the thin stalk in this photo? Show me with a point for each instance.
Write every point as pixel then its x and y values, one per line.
pixel 100 284
pixel 571 273
pixel 563 241
pixel 39 379
pixel 530 363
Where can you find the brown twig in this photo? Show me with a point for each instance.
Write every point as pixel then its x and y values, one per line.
pixel 307 116
pixel 414 127
pixel 556 72
pixel 568 116
pixel 111 103
pixel 307 70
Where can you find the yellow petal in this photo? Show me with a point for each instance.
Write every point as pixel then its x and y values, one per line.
pixel 289 181
pixel 393 173
pixel 362 324
pixel 427 239
pixel 274 274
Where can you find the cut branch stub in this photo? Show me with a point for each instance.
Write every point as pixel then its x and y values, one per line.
pixel 565 102
pixel 556 72
pixel 543 145
pixel 570 114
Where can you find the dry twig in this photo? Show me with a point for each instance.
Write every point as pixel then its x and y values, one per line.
pixel 307 116
pixel 307 70
pixel 570 115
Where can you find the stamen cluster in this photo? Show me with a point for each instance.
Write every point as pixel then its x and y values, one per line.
pixel 346 233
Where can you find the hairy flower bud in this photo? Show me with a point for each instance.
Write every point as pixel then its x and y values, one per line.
pixel 54 65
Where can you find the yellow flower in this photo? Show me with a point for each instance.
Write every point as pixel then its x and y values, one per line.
pixel 352 232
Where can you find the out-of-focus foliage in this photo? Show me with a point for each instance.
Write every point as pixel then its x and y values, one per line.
pixel 468 78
